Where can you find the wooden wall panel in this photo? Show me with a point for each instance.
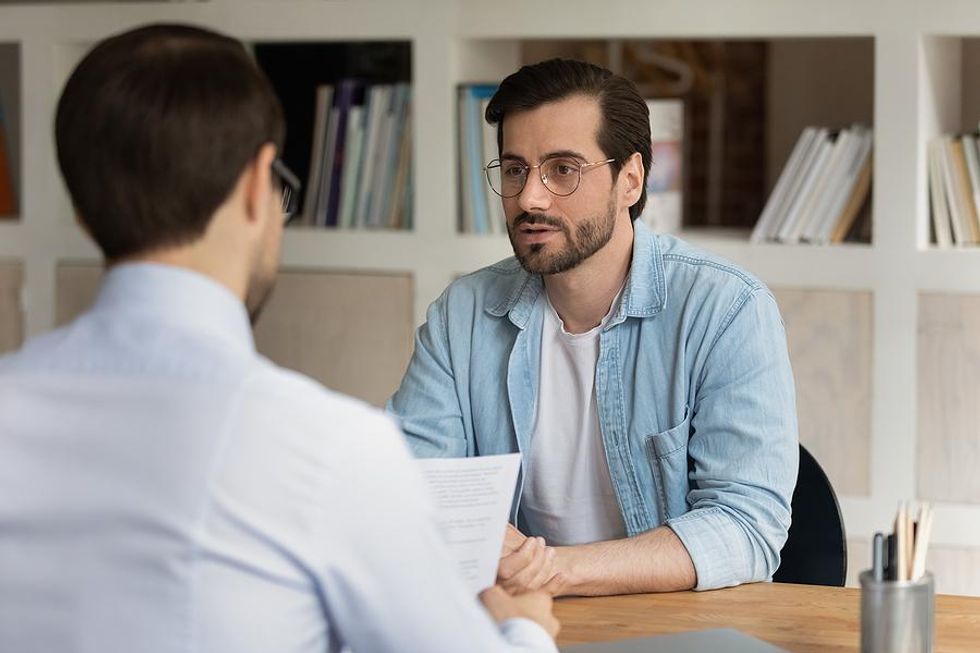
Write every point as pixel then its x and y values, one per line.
pixel 11 311
pixel 949 398
pixel 830 338
pixel 351 332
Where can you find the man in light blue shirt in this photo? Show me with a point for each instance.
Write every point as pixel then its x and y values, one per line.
pixel 163 488
pixel 645 383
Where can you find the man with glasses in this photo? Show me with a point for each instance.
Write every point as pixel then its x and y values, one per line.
pixel 163 488
pixel 645 383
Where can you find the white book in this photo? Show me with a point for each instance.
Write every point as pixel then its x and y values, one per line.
pixel 376 198
pixel 812 213
pixel 836 209
pixel 388 155
pixel 957 216
pixel 377 100
pixel 324 99
pixel 352 167
pixel 768 223
pixel 973 167
pixel 818 158
pixel 937 196
pixel 822 223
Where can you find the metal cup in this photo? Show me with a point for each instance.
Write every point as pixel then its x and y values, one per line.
pixel 897 616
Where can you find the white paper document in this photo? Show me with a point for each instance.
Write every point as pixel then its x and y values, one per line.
pixel 473 497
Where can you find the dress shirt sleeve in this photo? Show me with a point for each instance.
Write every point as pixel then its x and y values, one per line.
pixel 392 585
pixel 426 403
pixel 744 449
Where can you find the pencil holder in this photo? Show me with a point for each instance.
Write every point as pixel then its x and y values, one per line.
pixel 897 616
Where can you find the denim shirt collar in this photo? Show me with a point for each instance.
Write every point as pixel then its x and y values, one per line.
pixel 645 293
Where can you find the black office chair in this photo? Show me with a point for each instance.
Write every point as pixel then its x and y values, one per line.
pixel 815 552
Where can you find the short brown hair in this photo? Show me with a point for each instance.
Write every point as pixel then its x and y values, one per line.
pixel 625 126
pixel 153 129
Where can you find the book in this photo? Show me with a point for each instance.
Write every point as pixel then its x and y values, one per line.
pixel 973 166
pixel 855 200
pixel 942 231
pixel 350 92
pixel 390 155
pixel 377 106
pixel 797 198
pixel 352 167
pixel 665 181
pixel 852 190
pixel 322 104
pixel 768 223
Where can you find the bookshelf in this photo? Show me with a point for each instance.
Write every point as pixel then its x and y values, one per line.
pixel 910 74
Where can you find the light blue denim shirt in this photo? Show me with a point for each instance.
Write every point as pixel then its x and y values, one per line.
pixel 693 385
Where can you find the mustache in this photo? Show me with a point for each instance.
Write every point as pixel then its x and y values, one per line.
pixel 538 218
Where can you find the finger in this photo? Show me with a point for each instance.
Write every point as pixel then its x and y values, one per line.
pixel 513 563
pixel 546 572
pixel 513 539
pixel 521 581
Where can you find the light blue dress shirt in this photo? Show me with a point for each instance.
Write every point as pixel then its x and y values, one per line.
pixel 164 489
pixel 693 387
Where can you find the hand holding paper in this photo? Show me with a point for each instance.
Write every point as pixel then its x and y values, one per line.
pixel 473 497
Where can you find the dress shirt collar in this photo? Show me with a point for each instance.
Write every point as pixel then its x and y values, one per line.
pixel 176 296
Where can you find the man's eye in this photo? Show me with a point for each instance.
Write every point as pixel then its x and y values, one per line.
pixel 513 171
pixel 563 168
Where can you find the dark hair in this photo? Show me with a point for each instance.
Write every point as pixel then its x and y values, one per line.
pixel 625 126
pixel 153 129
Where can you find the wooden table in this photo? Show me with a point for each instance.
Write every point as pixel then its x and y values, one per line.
pixel 799 618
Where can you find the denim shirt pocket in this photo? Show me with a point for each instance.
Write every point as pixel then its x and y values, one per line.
pixel 667 452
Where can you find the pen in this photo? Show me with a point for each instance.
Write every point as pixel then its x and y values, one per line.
pixel 878 557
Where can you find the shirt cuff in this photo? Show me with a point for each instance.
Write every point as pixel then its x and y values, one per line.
pixel 717 545
pixel 526 635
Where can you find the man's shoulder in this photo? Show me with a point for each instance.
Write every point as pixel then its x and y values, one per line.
pixel 686 264
pixel 288 391
pixel 492 287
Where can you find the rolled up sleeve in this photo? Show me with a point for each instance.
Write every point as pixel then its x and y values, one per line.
pixel 743 449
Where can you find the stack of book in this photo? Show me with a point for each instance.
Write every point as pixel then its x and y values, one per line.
pixel 954 190
pixel 481 211
pixel 821 190
pixel 361 158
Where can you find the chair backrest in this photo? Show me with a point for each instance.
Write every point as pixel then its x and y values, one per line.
pixel 815 552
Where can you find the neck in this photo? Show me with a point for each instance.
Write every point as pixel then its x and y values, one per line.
pixel 583 295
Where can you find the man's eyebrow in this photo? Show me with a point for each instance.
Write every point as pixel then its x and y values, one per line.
pixel 508 156
pixel 571 154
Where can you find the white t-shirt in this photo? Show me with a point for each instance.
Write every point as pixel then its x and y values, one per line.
pixel 568 497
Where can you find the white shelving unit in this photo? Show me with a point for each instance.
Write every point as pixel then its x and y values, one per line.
pixel 921 80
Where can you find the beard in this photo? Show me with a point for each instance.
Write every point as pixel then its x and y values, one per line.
pixel 589 237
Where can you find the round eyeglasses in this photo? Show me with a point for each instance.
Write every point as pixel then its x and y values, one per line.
pixel 560 174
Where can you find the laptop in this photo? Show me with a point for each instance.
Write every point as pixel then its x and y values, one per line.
pixel 726 640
